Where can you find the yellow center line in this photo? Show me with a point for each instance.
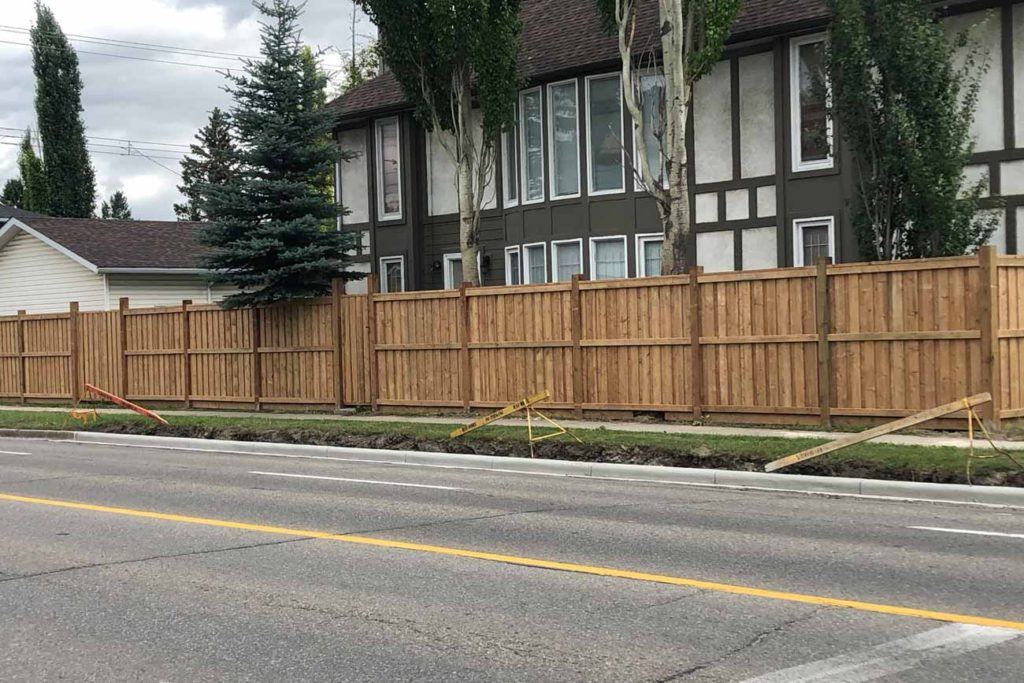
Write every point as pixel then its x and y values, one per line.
pixel 537 563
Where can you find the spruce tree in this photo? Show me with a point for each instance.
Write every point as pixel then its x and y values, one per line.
pixel 70 181
pixel 117 208
pixel 272 225
pixel 14 193
pixel 210 162
pixel 36 196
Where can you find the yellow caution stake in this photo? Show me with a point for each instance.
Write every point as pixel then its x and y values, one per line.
pixel 881 430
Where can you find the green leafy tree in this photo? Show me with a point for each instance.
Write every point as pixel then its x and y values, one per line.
pixel 36 196
pixel 14 193
pixel 360 66
pixel 70 181
pixel 445 54
pixel 116 208
pixel 272 224
pixel 211 162
pixel 692 37
pixel 906 111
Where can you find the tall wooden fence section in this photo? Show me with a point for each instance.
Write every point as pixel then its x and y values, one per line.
pixel 819 344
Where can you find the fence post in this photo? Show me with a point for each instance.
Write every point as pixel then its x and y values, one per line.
pixel 337 290
pixel 21 355
pixel 577 353
pixel 824 353
pixel 186 361
pixel 465 383
pixel 73 348
pixel 122 334
pixel 257 366
pixel 988 312
pixel 696 357
pixel 371 336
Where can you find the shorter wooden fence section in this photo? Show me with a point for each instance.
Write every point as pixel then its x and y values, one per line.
pixel 822 344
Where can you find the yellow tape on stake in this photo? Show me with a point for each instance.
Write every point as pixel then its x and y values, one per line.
pixel 504 412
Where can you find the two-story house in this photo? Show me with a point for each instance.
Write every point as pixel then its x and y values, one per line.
pixel 770 183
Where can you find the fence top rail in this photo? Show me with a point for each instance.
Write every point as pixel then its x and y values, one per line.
pixel 1010 260
pixel 755 275
pixel 412 296
pixel 154 310
pixel 36 316
pixel 519 289
pixel 636 283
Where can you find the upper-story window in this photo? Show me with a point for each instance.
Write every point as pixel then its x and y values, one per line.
pixel 811 125
pixel 510 166
pixel 351 190
pixel 604 135
pixel 564 139
pixel 651 90
pixel 389 170
pixel 531 127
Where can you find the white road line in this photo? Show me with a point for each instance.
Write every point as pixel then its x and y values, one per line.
pixel 893 657
pixel 966 531
pixel 361 481
pixel 13 453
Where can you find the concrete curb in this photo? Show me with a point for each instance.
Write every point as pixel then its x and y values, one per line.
pixel 843 486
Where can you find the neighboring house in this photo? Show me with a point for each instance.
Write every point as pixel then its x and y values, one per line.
pixel 766 191
pixel 45 263
pixel 14 212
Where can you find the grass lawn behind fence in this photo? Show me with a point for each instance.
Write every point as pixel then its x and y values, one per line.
pixel 880 461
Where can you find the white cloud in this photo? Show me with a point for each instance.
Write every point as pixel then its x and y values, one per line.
pixel 146 101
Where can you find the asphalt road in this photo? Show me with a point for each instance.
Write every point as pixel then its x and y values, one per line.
pixel 122 563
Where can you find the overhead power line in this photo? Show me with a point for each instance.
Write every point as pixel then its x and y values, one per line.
pixel 159 147
pixel 126 153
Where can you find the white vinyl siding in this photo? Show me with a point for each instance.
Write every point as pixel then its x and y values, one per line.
pixel 162 290
pixel 39 279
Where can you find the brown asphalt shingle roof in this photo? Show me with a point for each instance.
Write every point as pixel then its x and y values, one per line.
pixel 14 212
pixel 565 35
pixel 126 244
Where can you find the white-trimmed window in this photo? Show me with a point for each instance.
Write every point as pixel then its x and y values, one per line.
pixel 389 169
pixel 510 167
pixel 392 274
pixel 535 263
pixel 513 266
pixel 608 257
pixel 566 259
pixel 812 239
pixel 650 87
pixel 531 145
pixel 453 274
pixel 564 139
pixel 606 170
pixel 648 254
pixel 808 89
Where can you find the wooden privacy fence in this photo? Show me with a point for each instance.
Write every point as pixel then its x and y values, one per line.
pixel 818 344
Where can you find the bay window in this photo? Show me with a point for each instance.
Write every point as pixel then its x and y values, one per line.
pixel 389 170
pixel 532 145
pixel 604 135
pixel 564 139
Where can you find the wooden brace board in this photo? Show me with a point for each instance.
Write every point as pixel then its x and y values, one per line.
pixel 504 412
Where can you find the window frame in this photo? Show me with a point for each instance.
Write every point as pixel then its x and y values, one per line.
pixel 555 245
pixel 550 139
pixel 798 237
pixel 515 249
pixel 796 156
pixel 622 147
pixel 594 241
pixel 641 240
pixel 379 175
pixel 400 259
pixel 638 185
pixel 526 262
pixel 512 136
pixel 337 194
pixel 456 256
pixel 523 199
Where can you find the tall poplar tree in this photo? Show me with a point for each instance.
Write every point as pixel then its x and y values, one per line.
pixel 211 161
pixel 35 197
pixel 70 180
pixel 272 226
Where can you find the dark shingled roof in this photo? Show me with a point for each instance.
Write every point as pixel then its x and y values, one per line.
pixel 565 35
pixel 14 212
pixel 126 244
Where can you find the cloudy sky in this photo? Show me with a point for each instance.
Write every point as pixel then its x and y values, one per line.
pixel 144 101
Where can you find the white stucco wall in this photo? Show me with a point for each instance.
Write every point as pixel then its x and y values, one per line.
pixel 757 115
pixel 986 34
pixel 760 248
pixel 354 188
pixel 442 188
pixel 37 278
pixel 715 251
pixel 712 124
